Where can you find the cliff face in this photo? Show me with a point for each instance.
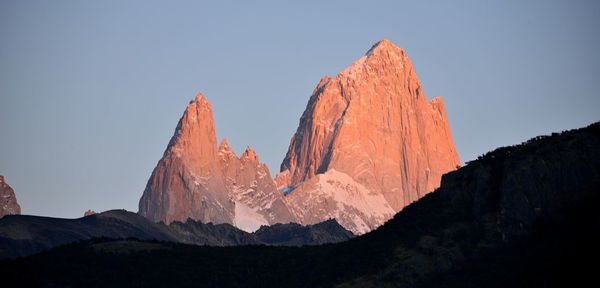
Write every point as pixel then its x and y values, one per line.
pixel 197 180
pixel 184 183
pixel 371 129
pixel 8 200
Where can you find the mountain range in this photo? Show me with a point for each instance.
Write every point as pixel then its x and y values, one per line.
pixel 367 145
pixel 371 157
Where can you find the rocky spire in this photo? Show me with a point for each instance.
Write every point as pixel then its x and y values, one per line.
pixel 195 135
pixel 224 146
pixel 250 155
pixel 225 151
pixel 183 185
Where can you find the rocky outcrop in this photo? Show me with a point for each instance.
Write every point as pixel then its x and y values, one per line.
pixel 293 234
pixel 8 200
pixel 250 186
pixel 89 213
pixel 368 133
pixel 197 180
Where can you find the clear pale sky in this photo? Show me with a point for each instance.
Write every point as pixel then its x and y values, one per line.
pixel 91 91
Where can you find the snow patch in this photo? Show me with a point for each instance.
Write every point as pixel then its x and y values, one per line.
pixel 355 207
pixel 261 174
pixel 349 192
pixel 248 219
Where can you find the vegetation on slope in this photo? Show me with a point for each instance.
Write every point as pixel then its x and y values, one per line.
pixel 519 216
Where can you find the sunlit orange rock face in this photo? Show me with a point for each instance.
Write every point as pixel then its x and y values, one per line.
pixel 373 125
pixel 197 180
pixel 8 200
pixel 368 144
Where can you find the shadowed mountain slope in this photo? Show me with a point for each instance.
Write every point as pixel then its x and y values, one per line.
pixel 519 216
pixel 23 235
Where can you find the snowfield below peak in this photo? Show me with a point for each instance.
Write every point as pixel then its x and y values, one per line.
pixel 248 219
pixel 335 194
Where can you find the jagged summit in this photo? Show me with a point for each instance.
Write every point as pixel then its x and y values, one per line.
pixel 383 58
pixel 250 154
pixel 224 148
pixel 224 144
pixel 383 46
pixel 200 99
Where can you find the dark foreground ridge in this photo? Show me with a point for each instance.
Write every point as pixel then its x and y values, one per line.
pixel 23 235
pixel 521 216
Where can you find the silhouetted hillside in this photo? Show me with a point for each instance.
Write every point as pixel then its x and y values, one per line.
pixel 293 234
pixel 520 216
pixel 23 235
